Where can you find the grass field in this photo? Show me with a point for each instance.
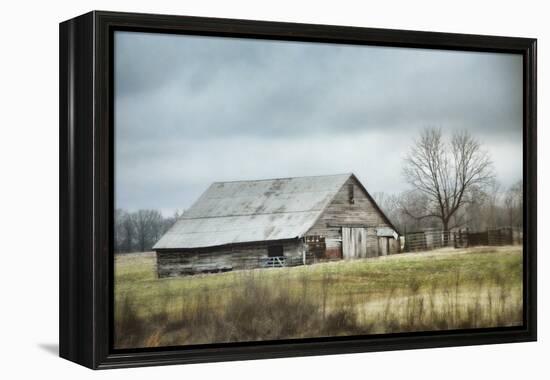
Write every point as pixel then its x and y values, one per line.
pixel 444 289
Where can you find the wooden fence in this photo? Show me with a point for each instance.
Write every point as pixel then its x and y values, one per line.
pixel 279 262
pixel 494 237
pixel 427 240
pixel 434 239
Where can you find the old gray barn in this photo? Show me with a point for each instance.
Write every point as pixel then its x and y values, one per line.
pixel 276 222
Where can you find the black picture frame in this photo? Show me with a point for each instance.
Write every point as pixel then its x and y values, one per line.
pixel 86 188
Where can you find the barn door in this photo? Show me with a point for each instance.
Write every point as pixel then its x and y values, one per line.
pixel 383 246
pixel 354 242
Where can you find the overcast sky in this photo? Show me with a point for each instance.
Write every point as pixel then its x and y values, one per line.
pixel 192 110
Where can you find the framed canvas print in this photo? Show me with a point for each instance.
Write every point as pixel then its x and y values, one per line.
pixel 236 189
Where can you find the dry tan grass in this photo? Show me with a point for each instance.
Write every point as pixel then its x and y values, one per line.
pixel 446 289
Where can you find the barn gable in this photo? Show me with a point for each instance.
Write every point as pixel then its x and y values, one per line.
pixel 353 210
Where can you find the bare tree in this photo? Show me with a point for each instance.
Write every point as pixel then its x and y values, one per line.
pixel 138 231
pixel 514 205
pixel 412 206
pixel 389 203
pixel 171 220
pixel 148 224
pixel 445 173
pixel 473 214
pixel 127 231
pixel 119 230
pixel 492 204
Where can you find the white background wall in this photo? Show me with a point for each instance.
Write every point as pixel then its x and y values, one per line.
pixel 29 191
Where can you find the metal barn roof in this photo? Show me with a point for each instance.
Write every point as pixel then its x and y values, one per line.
pixel 250 211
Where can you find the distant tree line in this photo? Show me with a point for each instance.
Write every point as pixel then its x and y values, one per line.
pixel 493 207
pixel 138 231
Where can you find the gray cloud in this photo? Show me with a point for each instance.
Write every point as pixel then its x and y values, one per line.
pixel 191 110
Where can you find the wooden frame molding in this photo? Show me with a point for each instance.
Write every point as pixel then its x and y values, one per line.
pixel 86 189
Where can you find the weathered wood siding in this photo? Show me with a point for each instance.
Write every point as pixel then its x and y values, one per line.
pixel 341 212
pixel 185 262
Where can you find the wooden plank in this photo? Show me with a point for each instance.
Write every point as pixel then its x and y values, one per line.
pixel 348 248
pixel 354 242
pixel 362 241
pixel 383 243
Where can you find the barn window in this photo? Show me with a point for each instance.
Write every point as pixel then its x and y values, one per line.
pixel 275 251
pixel 350 194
